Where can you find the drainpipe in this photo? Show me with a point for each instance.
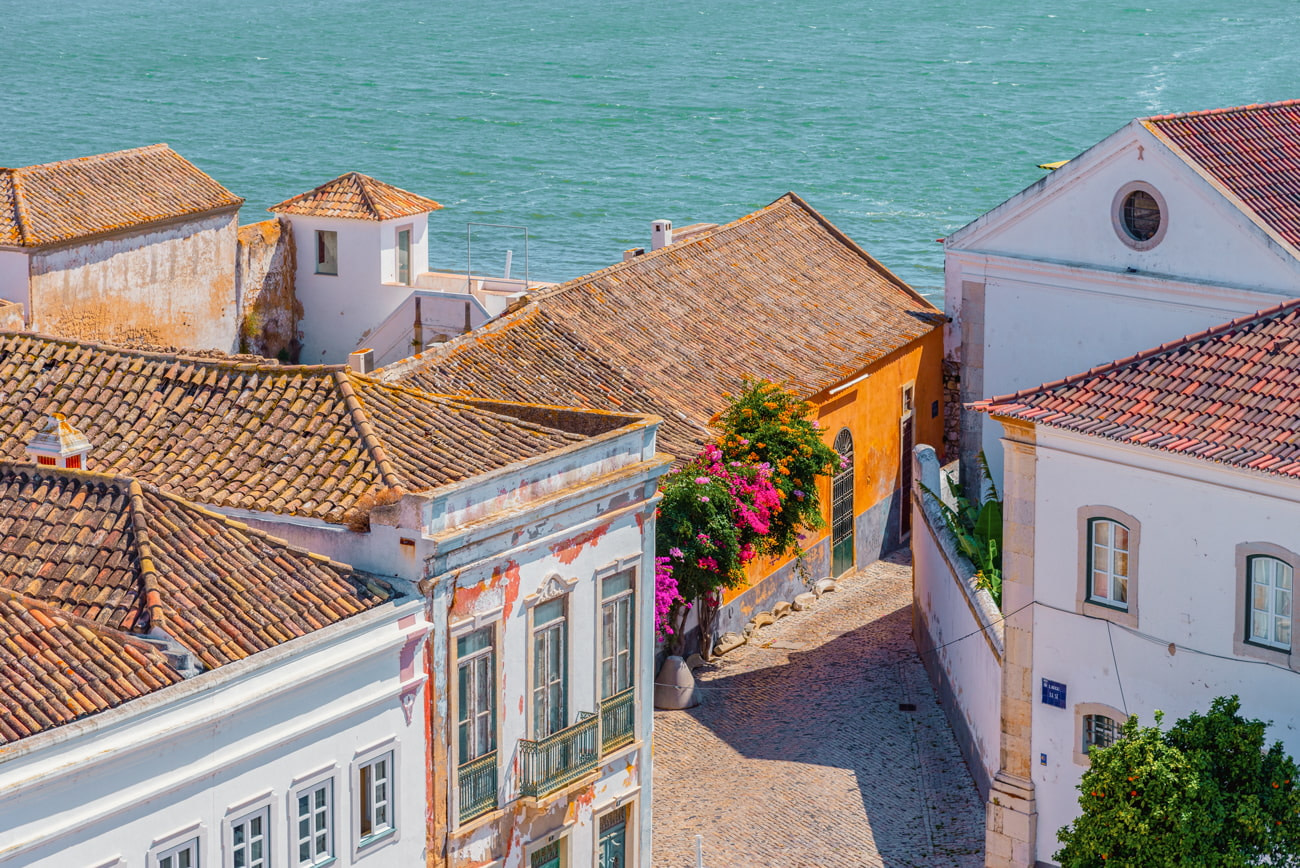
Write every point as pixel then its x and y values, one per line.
pixel 417 339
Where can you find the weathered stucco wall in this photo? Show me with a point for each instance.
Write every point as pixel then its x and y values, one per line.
pixel 264 275
pixel 171 285
pixel 958 630
pixel 11 316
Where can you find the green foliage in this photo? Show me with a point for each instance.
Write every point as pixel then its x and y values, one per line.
pixel 766 424
pixel 1205 793
pixel 977 525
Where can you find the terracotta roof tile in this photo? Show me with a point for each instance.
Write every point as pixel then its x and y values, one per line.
pixel 1253 151
pixel 358 197
pixel 780 293
pixel 88 196
pixel 1230 394
pixel 302 440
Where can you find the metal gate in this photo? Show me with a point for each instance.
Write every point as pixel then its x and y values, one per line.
pixel 842 506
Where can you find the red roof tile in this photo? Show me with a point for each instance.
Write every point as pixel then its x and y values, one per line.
pixel 1253 151
pixel 88 196
pixel 780 293
pixel 1230 394
pixel 358 197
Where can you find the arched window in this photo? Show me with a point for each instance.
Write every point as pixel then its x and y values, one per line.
pixel 842 506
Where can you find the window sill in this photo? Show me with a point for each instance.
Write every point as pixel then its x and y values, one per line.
pixel 1106 612
pixel 1268 654
pixel 370 840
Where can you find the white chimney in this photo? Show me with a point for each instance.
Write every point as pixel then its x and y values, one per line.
pixel 661 234
pixel 362 361
pixel 58 444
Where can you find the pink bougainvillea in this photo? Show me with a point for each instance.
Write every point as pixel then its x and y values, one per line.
pixel 665 594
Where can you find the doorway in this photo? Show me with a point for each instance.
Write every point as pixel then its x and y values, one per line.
pixel 842 506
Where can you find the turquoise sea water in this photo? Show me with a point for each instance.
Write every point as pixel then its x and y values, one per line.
pixel 584 120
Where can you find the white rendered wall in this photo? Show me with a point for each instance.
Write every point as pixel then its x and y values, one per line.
pixel 186 760
pixel 1193 516
pixel 13 276
pixel 173 285
pixel 340 311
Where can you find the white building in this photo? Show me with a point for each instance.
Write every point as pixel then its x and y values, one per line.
pixel 482 505
pixel 136 245
pixel 1168 227
pixel 182 691
pixel 363 274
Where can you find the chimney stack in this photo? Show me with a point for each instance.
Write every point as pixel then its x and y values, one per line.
pixel 661 234
pixel 363 361
pixel 58 444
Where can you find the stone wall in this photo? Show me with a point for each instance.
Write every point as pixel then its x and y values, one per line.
pixel 264 273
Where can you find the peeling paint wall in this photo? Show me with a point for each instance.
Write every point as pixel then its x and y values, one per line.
pixel 171 285
pixel 264 276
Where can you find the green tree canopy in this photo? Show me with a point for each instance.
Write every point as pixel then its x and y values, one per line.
pixel 1206 793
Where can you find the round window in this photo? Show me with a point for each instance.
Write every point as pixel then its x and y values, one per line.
pixel 1139 215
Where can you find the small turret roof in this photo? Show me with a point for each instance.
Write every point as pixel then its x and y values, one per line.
pixel 356 197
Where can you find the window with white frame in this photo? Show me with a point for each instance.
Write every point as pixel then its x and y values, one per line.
pixel 180 856
pixel 1099 730
pixel 375 805
pixel 1108 563
pixel 617 633
pixel 550 667
pixel 314 817
pixel 249 840
pixel 1270 588
pixel 327 252
pixel 476 694
pixel 404 256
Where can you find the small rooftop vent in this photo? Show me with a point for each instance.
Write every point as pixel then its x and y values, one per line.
pixel 362 361
pixel 632 253
pixel 58 444
pixel 661 234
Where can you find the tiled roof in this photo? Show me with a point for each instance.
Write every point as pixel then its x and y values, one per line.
pixel 1253 151
pixel 56 667
pixel 107 192
pixel 1230 394
pixel 780 294
pixel 299 440
pixel 103 556
pixel 358 197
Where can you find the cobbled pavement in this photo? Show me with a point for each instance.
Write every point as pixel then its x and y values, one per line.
pixel 799 755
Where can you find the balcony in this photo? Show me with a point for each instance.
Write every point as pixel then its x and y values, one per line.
pixel 617 720
pixel 560 758
pixel 477 786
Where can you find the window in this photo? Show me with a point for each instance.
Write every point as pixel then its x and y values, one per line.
pixel 375 810
pixel 1108 565
pixel 476 694
pixel 181 856
pixel 404 256
pixel 1108 547
pixel 617 620
pixel 315 818
pixel 248 840
pixel 546 857
pixel 1099 731
pixel 1270 602
pixel 1138 214
pixel 327 252
pixel 550 668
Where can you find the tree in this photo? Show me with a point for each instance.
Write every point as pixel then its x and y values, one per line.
pixel 1205 793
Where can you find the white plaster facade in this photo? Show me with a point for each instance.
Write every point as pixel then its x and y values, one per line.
pixel 1043 286
pixel 186 762
pixel 168 284
pixel 1184 646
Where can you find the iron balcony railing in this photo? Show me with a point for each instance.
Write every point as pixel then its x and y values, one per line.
pixel 478 786
pixel 560 758
pixel 617 720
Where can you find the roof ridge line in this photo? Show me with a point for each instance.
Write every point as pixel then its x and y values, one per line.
pixel 148 573
pixel 1167 346
pixel 20 210
pixel 365 193
pixel 859 249
pixel 1223 111
pixel 364 428
pixel 104 156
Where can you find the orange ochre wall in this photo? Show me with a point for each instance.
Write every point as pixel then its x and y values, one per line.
pixel 872 411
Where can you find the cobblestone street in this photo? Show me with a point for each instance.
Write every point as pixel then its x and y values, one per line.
pixel 799 755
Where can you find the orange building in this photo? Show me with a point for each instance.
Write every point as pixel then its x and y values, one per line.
pixel 780 294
